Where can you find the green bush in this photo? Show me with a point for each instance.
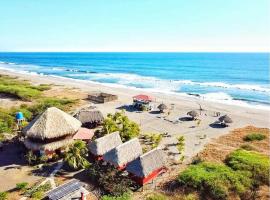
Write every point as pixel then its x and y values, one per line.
pixel 7 121
pixel 3 195
pixel 215 180
pixel 21 186
pixel 111 180
pixel 120 122
pixel 37 195
pixel 125 196
pixel 156 196
pixel 254 137
pixel 249 161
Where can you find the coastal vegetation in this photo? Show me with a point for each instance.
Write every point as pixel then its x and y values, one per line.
pixel 76 155
pixel 254 137
pixel 120 122
pixel 106 176
pixel 35 101
pixel 242 173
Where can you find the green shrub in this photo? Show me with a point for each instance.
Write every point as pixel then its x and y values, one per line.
pixel 120 122
pixel 215 180
pixel 111 180
pixel 21 186
pixel 3 195
pixel 254 137
pixel 125 196
pixel 7 121
pixel 156 196
pixel 249 161
pixel 37 195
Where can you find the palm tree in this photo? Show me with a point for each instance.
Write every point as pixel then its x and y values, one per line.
pixel 75 157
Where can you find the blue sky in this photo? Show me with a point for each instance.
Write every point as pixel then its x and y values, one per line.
pixel 134 25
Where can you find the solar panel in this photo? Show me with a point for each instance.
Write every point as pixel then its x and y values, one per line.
pixel 64 190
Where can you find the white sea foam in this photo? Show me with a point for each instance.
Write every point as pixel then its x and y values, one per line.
pixel 172 85
pixel 153 84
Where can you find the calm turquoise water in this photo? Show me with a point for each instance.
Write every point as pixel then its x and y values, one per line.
pixel 216 76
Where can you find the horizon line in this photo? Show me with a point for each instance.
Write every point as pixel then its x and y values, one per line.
pixel 135 51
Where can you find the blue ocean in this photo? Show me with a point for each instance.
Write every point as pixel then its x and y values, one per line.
pixel 232 77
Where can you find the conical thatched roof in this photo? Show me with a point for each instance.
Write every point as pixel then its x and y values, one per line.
pixel 162 107
pixel 193 113
pixel 147 163
pixel 124 153
pixel 104 144
pixel 52 123
pixel 89 116
pixel 51 146
pixel 225 119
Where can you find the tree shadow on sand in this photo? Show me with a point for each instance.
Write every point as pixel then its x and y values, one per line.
pixel 186 119
pixel 217 125
pixel 128 108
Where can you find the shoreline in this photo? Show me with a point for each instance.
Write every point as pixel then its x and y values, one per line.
pixel 181 95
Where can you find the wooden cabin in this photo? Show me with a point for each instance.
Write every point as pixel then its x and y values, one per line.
pixel 146 167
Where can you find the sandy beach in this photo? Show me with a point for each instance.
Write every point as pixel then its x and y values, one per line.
pixel 154 123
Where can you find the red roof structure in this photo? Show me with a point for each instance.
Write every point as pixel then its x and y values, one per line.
pixel 84 134
pixel 142 97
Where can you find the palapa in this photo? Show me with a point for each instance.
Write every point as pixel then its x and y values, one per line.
pixel 162 107
pixel 89 117
pixel 147 163
pixel 124 153
pixel 193 113
pixel 36 146
pixel 104 144
pixel 52 123
pixel 225 119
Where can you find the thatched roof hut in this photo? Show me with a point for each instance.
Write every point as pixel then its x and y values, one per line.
pixel 225 119
pixel 50 146
pixel 52 123
pixel 147 166
pixel 124 153
pixel 51 130
pixel 90 118
pixel 193 114
pixel 104 144
pixel 162 107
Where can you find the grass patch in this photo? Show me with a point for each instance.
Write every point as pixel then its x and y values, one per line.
pixel 21 89
pixel 21 186
pixel 254 137
pixel 125 196
pixel 7 121
pixel 256 164
pixel 215 180
pixel 3 195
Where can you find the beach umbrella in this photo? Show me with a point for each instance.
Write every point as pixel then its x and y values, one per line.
pixel 193 113
pixel 225 119
pixel 162 107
